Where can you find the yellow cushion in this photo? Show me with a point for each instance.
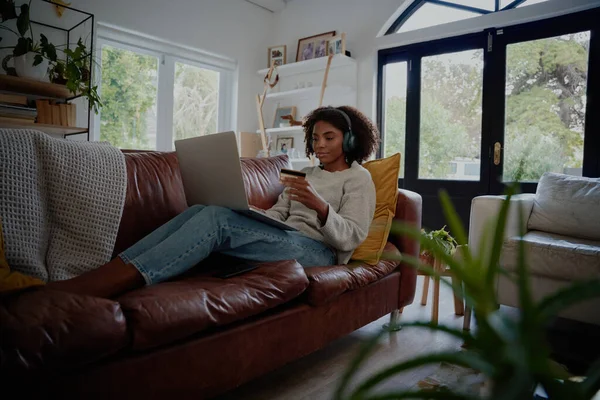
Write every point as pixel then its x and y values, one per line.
pixel 12 281
pixel 384 173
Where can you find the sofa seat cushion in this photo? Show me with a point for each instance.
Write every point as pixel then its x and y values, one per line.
pixel 43 329
pixel 327 283
pixel 555 256
pixel 174 310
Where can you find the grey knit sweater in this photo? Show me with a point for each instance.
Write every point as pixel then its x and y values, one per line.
pixel 351 197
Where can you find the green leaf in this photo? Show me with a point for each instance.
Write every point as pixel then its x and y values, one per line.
pixel 8 10
pixel 465 359
pixel 364 352
pixel 591 385
pixel 23 20
pixel 576 293
pixel 24 46
pixel 456 227
pixel 37 60
pixel 497 243
pixel 459 333
pixel 525 297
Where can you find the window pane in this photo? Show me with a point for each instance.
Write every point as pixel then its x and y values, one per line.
pixel 395 110
pixel 546 83
pixel 196 101
pixel 129 92
pixel 432 14
pixel 450 131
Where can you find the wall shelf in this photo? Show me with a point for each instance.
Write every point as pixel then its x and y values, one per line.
pixel 308 93
pixel 20 85
pixel 317 64
pixel 49 129
pixel 290 129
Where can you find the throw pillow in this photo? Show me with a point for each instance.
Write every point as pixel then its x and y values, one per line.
pixel 567 205
pixel 12 281
pixel 384 173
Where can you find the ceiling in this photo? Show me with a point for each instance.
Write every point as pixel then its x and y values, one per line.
pixel 271 5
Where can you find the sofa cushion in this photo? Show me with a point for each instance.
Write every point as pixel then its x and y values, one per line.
pixel 261 179
pixel 327 283
pixel 154 195
pixel 43 328
pixel 555 256
pixel 384 173
pixel 567 205
pixel 174 310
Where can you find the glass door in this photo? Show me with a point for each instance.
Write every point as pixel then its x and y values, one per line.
pixel 432 112
pixel 544 108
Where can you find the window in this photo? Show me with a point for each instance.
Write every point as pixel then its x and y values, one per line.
pixel 129 94
pixel 196 101
pixel 426 13
pixel 155 93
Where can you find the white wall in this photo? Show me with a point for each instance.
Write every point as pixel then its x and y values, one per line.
pixel 363 20
pixel 231 28
pixel 360 19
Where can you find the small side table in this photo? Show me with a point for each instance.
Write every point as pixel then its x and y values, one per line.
pixel 443 270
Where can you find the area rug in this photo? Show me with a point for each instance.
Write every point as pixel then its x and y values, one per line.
pixel 453 378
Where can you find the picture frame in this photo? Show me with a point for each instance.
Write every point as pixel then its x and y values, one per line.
pixel 277 55
pixel 337 44
pixel 313 46
pixel 284 144
pixel 280 112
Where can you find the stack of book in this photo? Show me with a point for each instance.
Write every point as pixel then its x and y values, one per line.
pixel 15 107
pixel 48 112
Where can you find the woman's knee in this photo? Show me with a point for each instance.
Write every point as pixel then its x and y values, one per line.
pixel 218 214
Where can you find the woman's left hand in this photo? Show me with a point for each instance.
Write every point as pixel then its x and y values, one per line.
pixel 300 190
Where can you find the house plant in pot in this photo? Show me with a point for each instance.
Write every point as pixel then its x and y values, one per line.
pixel 74 72
pixel 442 239
pixel 31 58
pixel 512 353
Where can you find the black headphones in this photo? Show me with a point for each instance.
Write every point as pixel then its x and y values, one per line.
pixel 348 144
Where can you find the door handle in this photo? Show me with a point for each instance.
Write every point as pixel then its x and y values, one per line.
pixel 497 153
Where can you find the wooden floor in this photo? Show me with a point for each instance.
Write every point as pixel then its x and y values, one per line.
pixel 316 376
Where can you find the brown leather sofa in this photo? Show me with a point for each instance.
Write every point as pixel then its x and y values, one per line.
pixel 196 336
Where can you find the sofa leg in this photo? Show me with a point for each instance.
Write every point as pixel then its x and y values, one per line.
pixel 394 324
pixel 467 320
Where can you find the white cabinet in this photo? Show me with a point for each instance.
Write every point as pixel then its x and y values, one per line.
pixel 300 86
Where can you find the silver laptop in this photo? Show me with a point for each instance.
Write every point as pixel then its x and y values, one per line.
pixel 212 175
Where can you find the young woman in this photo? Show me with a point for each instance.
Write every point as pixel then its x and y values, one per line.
pixel 332 208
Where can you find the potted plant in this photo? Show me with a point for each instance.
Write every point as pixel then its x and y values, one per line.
pixel 442 239
pixel 31 58
pixel 512 354
pixel 74 72
pixel 35 59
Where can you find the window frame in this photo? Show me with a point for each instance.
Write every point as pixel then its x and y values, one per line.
pixel 168 54
pixel 417 4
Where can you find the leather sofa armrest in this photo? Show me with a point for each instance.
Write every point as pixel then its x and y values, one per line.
pixel 485 209
pixel 408 210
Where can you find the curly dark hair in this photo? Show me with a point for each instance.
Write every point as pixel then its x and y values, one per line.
pixel 366 134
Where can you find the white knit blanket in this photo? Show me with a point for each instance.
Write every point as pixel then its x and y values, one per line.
pixel 60 201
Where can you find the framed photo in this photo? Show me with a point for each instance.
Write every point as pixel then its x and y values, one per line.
pixel 313 46
pixel 337 45
pixel 280 112
pixel 277 55
pixel 284 144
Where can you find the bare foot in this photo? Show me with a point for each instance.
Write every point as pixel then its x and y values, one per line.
pixel 108 280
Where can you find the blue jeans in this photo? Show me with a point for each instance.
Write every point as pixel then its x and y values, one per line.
pixel 190 237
